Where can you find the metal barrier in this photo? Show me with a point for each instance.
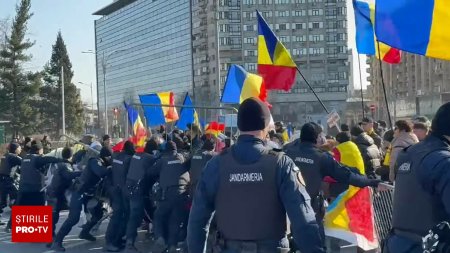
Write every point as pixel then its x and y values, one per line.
pixel 383 203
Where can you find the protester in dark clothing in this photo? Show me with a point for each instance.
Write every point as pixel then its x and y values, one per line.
pixel 46 144
pixel 368 126
pixel 403 138
pixel 369 151
pixel 106 141
pixel 345 128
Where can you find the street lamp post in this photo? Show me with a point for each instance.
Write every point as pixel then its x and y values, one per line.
pixel 104 65
pixel 92 94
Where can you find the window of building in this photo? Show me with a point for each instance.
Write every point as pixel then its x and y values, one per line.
pixel 282 1
pixel 249 52
pixel 284 39
pixel 316 37
pixel 341 36
pixel 249 14
pixel 301 38
pixel 282 26
pixel 267 14
pixel 315 25
pixel 265 2
pixel 300 51
pixel 341 24
pixel 299 1
pixel 315 12
pixel 250 66
pixel 249 2
pixel 314 1
pixel 316 50
pixel 341 10
pixel 342 49
pixel 300 26
pixel 282 13
pixel 248 28
pixel 249 41
pixel 299 13
pixel 342 75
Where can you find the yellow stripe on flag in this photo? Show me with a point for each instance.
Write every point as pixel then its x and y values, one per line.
pixel 439 34
pixel 251 87
pixel 263 53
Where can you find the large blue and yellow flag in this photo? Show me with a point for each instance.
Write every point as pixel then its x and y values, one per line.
pixel 188 115
pixel 415 26
pixel 275 63
pixel 365 34
pixel 159 115
pixel 241 85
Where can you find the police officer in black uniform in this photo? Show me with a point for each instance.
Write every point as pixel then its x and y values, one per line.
pixel 63 177
pixel 9 168
pixel 422 188
pixel 173 173
pixel 138 182
pixel 84 189
pixel 119 202
pixel 316 164
pixel 199 160
pixel 251 189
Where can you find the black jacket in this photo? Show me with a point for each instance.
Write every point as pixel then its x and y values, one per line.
pixel 62 178
pixel 370 153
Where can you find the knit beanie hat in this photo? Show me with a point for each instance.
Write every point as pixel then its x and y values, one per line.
pixel 309 133
pixel 253 115
pixel 441 121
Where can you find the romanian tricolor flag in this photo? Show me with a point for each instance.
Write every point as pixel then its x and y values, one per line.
pixel 214 128
pixel 365 36
pixel 241 85
pixel 139 131
pixel 156 114
pixel 415 26
pixel 350 216
pixel 188 115
pixel 275 63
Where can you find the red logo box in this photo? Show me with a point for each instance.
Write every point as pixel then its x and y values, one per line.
pixel 31 224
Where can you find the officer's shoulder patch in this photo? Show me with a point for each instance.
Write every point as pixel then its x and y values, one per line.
pixel 300 178
pixel 404 168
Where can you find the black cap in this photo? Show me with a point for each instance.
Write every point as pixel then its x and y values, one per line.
pixel 367 120
pixel 128 147
pixel 309 133
pixel 105 152
pixel 13 147
pixel 356 131
pixel 253 115
pixel 441 121
pixel 106 137
pixel 36 146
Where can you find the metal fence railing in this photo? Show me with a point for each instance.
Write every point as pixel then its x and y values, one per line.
pixel 383 202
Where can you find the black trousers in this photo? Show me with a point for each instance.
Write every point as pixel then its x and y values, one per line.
pixel 118 222
pixel 7 188
pixel 76 204
pixel 136 216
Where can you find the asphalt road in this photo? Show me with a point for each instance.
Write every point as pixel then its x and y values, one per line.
pixel 72 243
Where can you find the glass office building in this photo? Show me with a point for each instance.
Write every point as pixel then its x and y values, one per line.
pixel 142 46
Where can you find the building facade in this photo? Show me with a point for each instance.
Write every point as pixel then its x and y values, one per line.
pixel 416 86
pixel 183 45
pixel 315 32
pixel 142 47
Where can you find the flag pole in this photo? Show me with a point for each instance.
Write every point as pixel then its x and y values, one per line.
pixel 384 86
pixel 311 88
pixel 360 81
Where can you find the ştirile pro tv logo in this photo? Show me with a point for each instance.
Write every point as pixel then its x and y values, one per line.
pixel 31 224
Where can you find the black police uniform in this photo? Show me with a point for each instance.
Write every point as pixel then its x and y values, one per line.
pixel 422 194
pixel 119 203
pixel 62 180
pixel 171 210
pixel 84 189
pixel 138 183
pixel 32 175
pixel 251 189
pixel 9 168
pixel 314 165
pixel 198 161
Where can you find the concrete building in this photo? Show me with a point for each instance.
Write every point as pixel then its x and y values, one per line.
pixel 315 32
pixel 416 86
pixel 183 45
pixel 142 47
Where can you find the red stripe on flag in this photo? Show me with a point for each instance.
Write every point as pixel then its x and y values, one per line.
pixel 277 77
pixel 393 56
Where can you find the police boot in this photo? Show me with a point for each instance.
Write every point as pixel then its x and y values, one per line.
pixel 172 249
pixel 159 246
pixel 111 248
pixel 87 236
pixel 57 246
pixel 130 248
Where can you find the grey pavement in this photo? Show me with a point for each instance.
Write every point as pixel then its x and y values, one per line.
pixel 72 243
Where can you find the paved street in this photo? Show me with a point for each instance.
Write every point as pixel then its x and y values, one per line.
pixel 72 243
